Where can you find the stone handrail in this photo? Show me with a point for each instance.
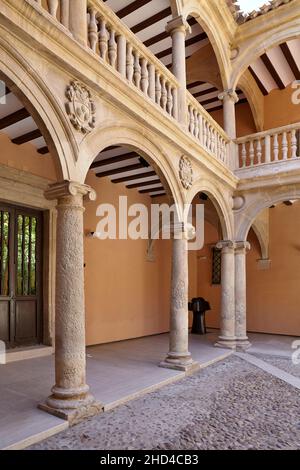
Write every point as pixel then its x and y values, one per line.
pixel 207 131
pixel 117 46
pixel 273 145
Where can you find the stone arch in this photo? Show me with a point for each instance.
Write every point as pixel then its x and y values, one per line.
pixel 255 48
pixel 245 217
pixel 203 13
pixel 220 203
pixel 134 139
pixel 48 114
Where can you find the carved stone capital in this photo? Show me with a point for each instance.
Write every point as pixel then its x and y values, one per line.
pixel 69 188
pixel 229 94
pixel 178 24
pixel 226 245
pixel 242 247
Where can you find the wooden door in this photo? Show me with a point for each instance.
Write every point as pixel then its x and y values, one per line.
pixel 20 275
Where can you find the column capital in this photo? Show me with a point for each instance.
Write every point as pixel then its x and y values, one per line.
pixel 180 230
pixel 69 188
pixel 178 24
pixel 226 245
pixel 242 247
pixel 231 94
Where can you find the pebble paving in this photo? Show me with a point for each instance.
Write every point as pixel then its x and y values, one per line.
pixel 229 405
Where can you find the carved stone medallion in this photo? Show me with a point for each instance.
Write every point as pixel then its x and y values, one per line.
pixel 185 172
pixel 80 108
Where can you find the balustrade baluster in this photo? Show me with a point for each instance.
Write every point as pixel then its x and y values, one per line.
pixel 258 151
pixel 244 155
pixel 103 39
pixel 192 120
pixel 129 63
pixel 64 13
pixel 157 88
pixel 163 94
pixel 121 55
pixel 196 131
pixel 267 149
pixel 93 29
pixel 251 153
pixel 293 144
pixel 169 99
pixel 137 69
pixel 151 90
pixel 201 129
pixel 284 146
pixel 275 147
pixel 204 133
pixel 144 76
pixel 212 145
pixel 52 7
pixel 112 48
pixel 175 104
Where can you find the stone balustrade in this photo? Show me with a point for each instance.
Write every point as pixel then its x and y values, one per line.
pixel 269 146
pixel 97 27
pixel 207 131
pixel 118 47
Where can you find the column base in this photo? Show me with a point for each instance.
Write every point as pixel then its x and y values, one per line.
pixel 226 342
pixel 176 362
pixel 242 344
pixel 74 410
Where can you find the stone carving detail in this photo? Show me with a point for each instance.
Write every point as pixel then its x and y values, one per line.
pixel 185 172
pixel 80 108
pixel 179 295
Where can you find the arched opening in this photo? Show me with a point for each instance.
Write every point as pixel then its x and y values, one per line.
pixel 205 264
pixel 273 274
pixel 127 291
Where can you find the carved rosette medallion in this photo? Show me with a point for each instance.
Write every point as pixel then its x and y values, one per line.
pixel 80 108
pixel 185 172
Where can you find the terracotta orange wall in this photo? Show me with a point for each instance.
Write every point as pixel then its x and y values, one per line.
pixel 244 121
pixel 279 108
pixel 126 296
pixel 273 296
pixel 25 157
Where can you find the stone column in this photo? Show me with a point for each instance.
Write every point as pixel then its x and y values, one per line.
pixel 178 28
pixel 227 337
pixel 78 20
pixel 70 397
pixel 179 357
pixel 229 98
pixel 241 249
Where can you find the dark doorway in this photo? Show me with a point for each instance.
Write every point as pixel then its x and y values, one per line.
pixel 20 275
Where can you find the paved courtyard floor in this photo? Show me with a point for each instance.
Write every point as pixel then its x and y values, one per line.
pixel 232 404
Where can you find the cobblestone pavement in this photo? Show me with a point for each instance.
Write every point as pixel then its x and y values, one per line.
pixel 284 363
pixel 229 405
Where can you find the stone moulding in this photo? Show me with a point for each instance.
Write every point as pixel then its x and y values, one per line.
pixel 185 172
pixel 80 107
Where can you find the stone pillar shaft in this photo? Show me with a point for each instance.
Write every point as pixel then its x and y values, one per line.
pixel 179 356
pixel 177 29
pixel 240 295
pixel 70 397
pixel 229 98
pixel 227 335
pixel 78 20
